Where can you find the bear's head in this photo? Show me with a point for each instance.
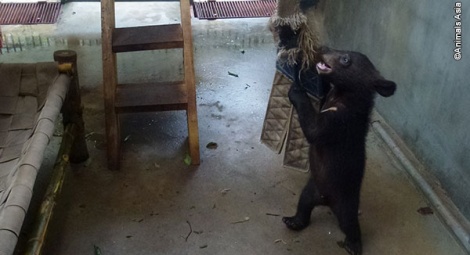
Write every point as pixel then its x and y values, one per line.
pixel 352 71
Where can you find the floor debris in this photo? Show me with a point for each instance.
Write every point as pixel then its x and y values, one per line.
pixel 190 231
pixel 232 74
pixel 425 210
pixel 224 191
pixel 97 250
pixel 241 221
pixel 212 146
pixel 279 241
pixel 187 159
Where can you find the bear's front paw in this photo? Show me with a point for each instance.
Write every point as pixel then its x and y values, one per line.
pixel 297 95
pixel 295 223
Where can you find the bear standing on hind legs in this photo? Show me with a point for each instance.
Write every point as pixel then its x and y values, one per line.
pixel 337 136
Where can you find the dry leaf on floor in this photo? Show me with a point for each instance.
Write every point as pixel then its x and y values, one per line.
pixel 212 146
pixel 187 159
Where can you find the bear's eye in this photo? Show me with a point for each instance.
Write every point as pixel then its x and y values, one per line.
pixel 345 60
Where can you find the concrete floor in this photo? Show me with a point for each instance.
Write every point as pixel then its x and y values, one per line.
pixel 233 202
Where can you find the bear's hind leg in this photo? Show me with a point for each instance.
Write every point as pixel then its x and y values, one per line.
pixel 309 198
pixel 347 214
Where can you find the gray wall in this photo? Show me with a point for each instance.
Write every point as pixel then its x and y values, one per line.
pixel 411 43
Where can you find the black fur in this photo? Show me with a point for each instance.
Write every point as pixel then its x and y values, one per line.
pixel 337 135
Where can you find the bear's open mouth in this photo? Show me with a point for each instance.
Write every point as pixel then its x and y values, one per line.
pixel 323 67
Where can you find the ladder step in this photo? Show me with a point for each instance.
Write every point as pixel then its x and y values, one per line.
pixel 147 38
pixel 151 97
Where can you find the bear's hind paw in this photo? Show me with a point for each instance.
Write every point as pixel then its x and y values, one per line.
pixel 295 223
pixel 353 248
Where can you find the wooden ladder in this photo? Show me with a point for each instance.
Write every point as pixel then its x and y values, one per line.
pixel 158 96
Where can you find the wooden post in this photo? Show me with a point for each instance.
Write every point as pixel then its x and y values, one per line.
pixel 189 79
pixel 72 108
pixel 113 134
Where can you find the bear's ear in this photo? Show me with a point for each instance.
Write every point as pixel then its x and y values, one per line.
pixel 384 87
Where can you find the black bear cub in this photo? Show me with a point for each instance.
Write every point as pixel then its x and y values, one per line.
pixel 337 135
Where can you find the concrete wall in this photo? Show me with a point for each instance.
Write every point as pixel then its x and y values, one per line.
pixel 412 43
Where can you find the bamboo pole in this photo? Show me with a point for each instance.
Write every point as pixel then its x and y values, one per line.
pixel 38 234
